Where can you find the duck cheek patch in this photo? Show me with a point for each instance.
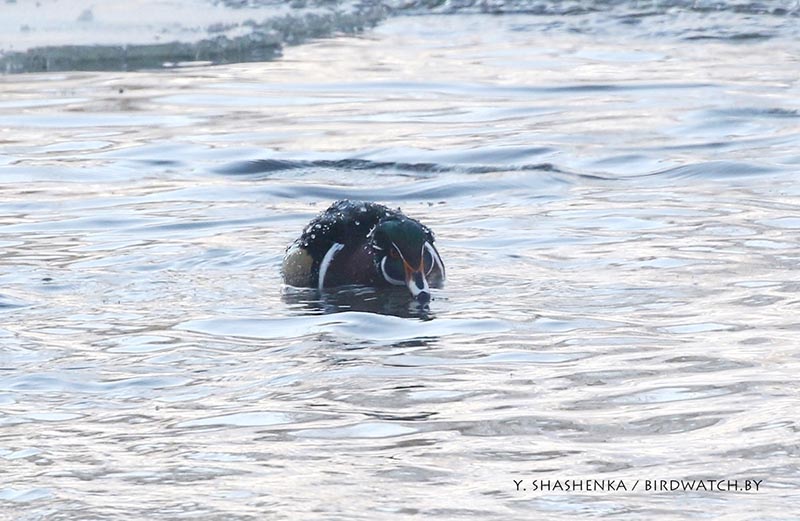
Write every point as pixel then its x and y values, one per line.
pixel 392 270
pixel 427 260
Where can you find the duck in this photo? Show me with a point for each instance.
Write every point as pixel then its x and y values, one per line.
pixel 365 243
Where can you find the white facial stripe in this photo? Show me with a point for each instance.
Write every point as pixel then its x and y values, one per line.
pixel 427 246
pixel 389 278
pixel 326 262
pixel 436 258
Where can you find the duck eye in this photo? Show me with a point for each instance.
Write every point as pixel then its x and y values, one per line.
pixel 393 253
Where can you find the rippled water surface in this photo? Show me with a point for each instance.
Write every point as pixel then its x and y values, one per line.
pixel 617 209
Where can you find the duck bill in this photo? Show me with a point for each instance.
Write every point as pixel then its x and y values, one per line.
pixel 417 283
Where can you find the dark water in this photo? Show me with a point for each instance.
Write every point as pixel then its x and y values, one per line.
pixel 617 207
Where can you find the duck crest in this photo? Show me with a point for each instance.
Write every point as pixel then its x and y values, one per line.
pixel 344 222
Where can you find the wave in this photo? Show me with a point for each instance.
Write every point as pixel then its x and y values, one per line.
pixel 425 181
pixel 712 170
pixel 429 184
pixel 259 167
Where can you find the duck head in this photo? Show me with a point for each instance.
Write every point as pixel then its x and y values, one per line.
pixel 405 256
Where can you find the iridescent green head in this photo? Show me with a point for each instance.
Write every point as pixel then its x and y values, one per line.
pixel 406 256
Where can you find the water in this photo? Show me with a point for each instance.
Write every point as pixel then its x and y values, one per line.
pixel 614 194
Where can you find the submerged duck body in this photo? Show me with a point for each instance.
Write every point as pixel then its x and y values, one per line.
pixel 356 242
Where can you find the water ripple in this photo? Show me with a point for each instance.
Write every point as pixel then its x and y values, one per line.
pixel 354 324
pixel 619 219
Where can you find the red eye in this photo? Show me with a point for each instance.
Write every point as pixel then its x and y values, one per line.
pixel 393 253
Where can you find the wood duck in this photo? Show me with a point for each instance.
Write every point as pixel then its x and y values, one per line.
pixel 355 242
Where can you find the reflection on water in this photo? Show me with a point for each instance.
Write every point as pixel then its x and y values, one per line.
pixel 619 220
pixel 385 301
